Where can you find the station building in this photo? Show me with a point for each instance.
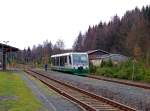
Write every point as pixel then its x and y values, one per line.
pixel 97 56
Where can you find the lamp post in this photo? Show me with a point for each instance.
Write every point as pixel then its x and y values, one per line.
pixel 6 42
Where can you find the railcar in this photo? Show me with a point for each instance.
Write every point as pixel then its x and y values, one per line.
pixel 74 62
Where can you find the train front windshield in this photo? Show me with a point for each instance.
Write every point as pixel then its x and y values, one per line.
pixel 80 59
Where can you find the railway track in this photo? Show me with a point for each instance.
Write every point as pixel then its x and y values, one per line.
pixel 89 101
pixel 129 83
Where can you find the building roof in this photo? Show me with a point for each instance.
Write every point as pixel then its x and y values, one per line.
pixel 115 57
pixel 93 51
pixel 111 55
pixel 8 48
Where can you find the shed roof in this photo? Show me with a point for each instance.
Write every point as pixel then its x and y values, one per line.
pixel 8 48
pixel 93 51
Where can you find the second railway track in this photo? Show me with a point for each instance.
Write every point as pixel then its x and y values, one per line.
pixel 89 101
pixel 125 82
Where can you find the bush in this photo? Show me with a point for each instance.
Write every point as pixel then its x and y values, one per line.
pixel 108 63
pixel 124 73
pixel 106 71
pixel 123 70
pixel 92 68
pixel 147 76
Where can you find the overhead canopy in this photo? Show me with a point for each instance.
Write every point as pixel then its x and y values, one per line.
pixel 8 48
pixel 5 49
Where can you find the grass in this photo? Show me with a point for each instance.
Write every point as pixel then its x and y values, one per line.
pixel 15 95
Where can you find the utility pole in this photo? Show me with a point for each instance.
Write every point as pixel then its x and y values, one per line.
pixel 133 69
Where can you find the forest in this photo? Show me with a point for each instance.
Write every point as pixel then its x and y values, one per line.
pixel 128 35
pixel 40 54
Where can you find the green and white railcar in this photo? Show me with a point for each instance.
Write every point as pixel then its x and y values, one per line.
pixel 74 62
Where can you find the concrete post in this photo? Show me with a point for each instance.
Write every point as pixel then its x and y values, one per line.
pixel 4 60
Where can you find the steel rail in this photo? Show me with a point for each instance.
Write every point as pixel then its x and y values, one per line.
pixel 97 97
pixel 77 100
pixel 88 108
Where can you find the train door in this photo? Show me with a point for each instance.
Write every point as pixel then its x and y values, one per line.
pixel 69 61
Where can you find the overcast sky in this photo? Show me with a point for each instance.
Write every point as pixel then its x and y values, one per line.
pixel 27 22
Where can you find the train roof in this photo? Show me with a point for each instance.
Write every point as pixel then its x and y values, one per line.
pixel 65 54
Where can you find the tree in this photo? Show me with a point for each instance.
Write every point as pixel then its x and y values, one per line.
pixel 78 44
pixel 60 44
pixel 129 35
pixel 47 50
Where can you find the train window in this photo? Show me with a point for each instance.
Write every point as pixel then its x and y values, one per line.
pixel 62 61
pixel 65 57
pixel 57 61
pixel 83 58
pixel 80 59
pixel 69 59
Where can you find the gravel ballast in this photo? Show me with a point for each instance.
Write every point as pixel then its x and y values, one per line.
pixel 51 100
pixel 132 96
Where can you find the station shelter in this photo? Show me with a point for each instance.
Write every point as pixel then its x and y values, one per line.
pixel 4 49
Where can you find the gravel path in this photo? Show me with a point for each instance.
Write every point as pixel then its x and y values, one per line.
pixel 132 96
pixel 51 100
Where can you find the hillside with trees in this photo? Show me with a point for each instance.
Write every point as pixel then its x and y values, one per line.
pixel 129 35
